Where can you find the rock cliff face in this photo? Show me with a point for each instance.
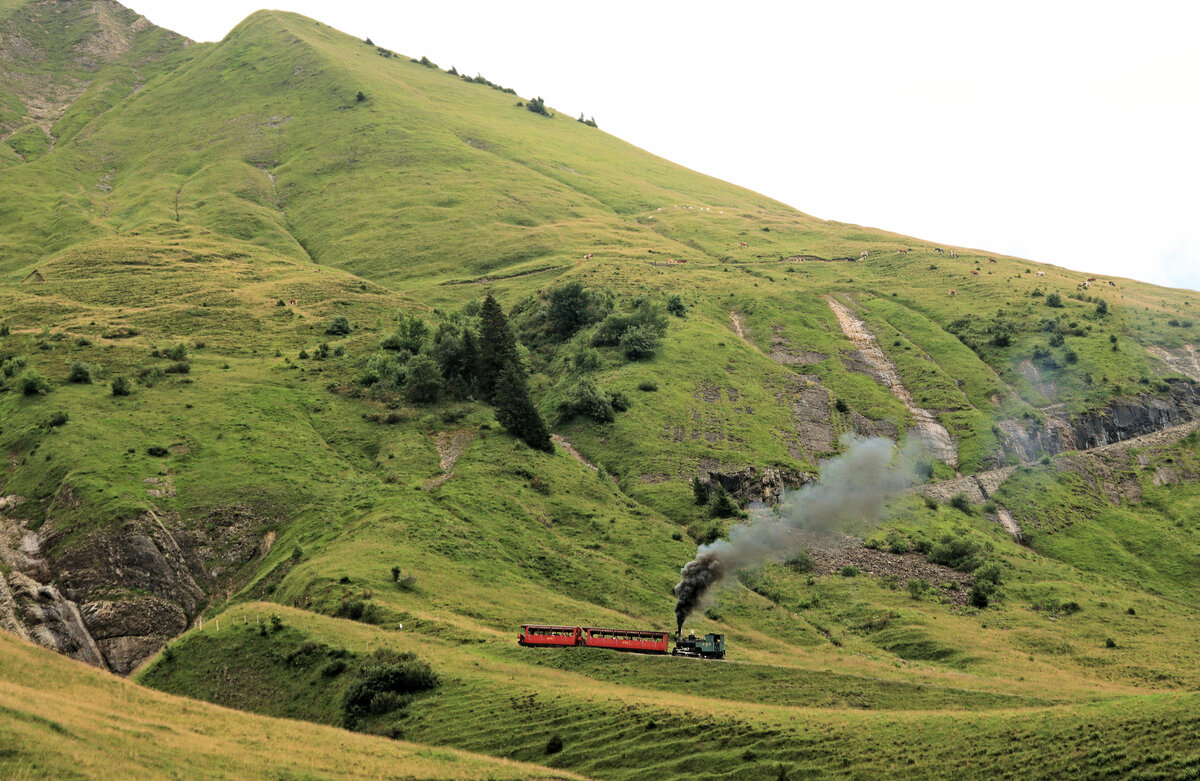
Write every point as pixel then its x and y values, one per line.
pixel 754 485
pixel 115 596
pixel 1029 440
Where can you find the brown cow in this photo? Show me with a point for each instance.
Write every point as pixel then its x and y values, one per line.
pixel 743 244
pixel 974 273
pixel 953 292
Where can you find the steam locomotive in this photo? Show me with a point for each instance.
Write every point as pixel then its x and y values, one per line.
pixel 711 646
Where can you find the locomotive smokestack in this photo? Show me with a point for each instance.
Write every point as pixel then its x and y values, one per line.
pixel 855 485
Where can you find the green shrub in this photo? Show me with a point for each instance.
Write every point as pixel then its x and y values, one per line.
pixel 13 365
pixel 897 542
pixel 801 562
pixel 1110 643
pixel 157 451
pixel 151 376
pixel 383 681
pixel 5 329
pixel 639 342
pixel 586 400
pixel 121 386
pixel 849 572
pixel 424 383
pixel 57 419
pixel 961 503
pixel 410 334
pixel 80 374
pixel 1102 307
pixel 1054 300
pixel 178 352
pixel 554 744
pixel 585 359
pixel 648 386
pixel 179 367
pixel 34 384
pixel 675 306
pixel 537 106
pixel 340 325
pixel 917 587
pixel 957 553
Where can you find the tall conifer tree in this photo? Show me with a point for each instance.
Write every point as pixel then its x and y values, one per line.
pixel 515 410
pixel 497 346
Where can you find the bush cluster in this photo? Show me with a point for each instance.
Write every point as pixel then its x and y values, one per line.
pixel 385 681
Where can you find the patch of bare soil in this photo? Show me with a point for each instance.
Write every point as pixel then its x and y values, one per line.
pixel 450 447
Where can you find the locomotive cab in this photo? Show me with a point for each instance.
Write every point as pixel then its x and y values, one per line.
pixel 711 646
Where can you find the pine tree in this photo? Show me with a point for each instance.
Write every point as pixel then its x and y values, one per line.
pixel 497 346
pixel 516 412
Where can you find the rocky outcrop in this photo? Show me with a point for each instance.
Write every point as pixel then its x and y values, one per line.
pixel 752 484
pixel 41 613
pixel 1027 440
pixel 114 596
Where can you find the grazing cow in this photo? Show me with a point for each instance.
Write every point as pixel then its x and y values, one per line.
pixel 953 254
pixel 1091 279
pixel 1040 274
pixel 953 292
pixel 863 254
pixel 974 273
pixel 589 256
pixel 902 251
pixel 1114 284
pixel 293 302
pixel 743 244
pixel 1086 285
pixel 991 260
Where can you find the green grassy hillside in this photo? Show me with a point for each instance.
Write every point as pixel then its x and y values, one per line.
pixel 62 719
pixel 263 239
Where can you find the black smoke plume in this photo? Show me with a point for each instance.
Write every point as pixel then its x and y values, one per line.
pixel 855 485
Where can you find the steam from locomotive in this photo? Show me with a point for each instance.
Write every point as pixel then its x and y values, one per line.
pixel 854 485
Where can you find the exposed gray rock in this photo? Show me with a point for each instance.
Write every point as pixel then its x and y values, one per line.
pixel 1028 440
pixel 753 484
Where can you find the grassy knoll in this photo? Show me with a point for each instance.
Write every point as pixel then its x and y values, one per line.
pixel 61 719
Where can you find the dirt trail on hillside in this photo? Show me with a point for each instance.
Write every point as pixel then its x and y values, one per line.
pixel 932 434
pixel 739 328
pixel 566 445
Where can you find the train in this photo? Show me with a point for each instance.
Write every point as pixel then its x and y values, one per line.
pixel 711 646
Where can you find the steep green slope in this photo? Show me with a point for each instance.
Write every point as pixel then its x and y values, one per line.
pixel 202 235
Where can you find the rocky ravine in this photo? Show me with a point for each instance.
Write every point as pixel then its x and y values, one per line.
pixel 118 594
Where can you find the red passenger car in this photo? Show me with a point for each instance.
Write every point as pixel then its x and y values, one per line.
pixel 593 637
pixel 626 640
pixel 534 634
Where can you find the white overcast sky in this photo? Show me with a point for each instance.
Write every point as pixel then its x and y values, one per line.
pixel 1064 132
